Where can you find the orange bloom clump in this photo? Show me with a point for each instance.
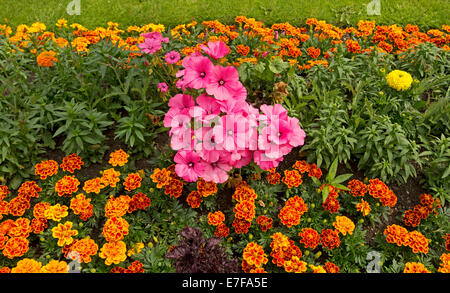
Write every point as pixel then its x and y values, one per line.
pixel 444 267
pixel 313 52
pixel 301 166
pixel 222 230
pixel 292 178
pixel 380 191
pixel 113 252
pixel 18 205
pixel 80 205
pixel 331 268
pixel 194 199
pixel 115 228
pixel 28 190
pixel 283 249
pixel 118 158
pixel 412 218
pixel 295 265
pixel 216 218
pixel 174 188
pixel 132 181
pixel 254 255
pixel 20 228
pixel 39 210
pixel 160 177
pixel 4 192
pixel 417 241
pixel 93 185
pixel 15 247
pixel 329 239
pixel 139 201
pixel 55 267
pixel 64 233
pixel 273 177
pixel 331 204
pixel 241 226
pixel 357 188
pixel 83 249
pixel 27 265
pixel 314 171
pixel 264 222
pixel 67 185
pixel 46 168
pixel 344 225
pixel 110 177
pixel 56 212
pixel 353 46
pixel 206 188
pixel 310 237
pixel 293 209
pixel 47 58
pixel 242 49
pixel 317 269
pixel 415 267
pixel 71 163
pixel 363 207
pixel 117 206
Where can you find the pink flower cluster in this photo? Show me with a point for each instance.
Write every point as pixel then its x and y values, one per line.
pixel 219 130
pixel 152 42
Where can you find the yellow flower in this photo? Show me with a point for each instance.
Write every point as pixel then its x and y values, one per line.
pixel 27 265
pixel 55 266
pixel 114 252
pixel 399 80
pixel 64 233
pixel 344 225
pixel 56 212
pixel 61 23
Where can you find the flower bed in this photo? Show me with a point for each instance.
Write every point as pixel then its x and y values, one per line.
pixel 272 149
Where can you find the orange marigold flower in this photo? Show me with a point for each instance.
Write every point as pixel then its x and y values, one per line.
pixel 115 229
pixel 206 188
pixel 241 226
pixel 93 185
pixel 264 222
pixel 5 270
pixel 15 247
pixel 283 249
pixel 132 181
pixel 295 265
pixel 242 49
pixel 39 210
pixel 113 252
pixel 344 225
pixel 71 163
pixel 27 265
pixel 82 250
pixel 357 188
pixel 444 267
pixel 254 255
pixel 64 233
pixel 18 205
pixel 390 199
pixel 3 240
pixel 244 192
pixel 110 177
pixel 310 237
pixel 353 46
pixel 257 271
pixel 415 267
pixel 245 210
pixel 6 225
pixel 314 171
pixel 56 212
pixel 28 190
pixel 139 201
pixel 117 206
pixel 447 241
pixel 329 239
pixel 331 204
pixel 313 52
pixel 4 209
pixel 67 185
pixel 301 166
pixel 20 228
pixel 273 177
pixel 4 192
pixel 422 211
pixel 317 269
pixel 363 207
pixel 194 199
pixel 377 189
pixel 411 218
pixel 80 205
pixel 216 218
pixel 396 234
pixel 118 158
pixel 55 267
pixel 331 268
pixel 222 230
pixel 289 216
pixel 292 178
pixel 174 188
pixel 160 177
pixel 47 58
pixel 426 199
pixel 38 225
pixel 417 241
pixel 46 168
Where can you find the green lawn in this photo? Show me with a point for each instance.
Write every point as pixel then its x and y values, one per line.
pixel 426 14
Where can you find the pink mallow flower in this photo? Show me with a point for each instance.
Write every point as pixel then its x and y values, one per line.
pixel 150 46
pixel 224 83
pixel 189 165
pixel 197 71
pixel 217 171
pixel 216 50
pixel 162 86
pixel 172 57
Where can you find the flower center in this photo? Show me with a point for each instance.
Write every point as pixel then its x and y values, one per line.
pixel 202 74
pixel 221 82
pixel 191 164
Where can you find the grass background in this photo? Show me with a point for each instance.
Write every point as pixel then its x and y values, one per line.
pixel 425 13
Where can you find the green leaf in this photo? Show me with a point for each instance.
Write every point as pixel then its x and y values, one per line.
pixel 341 178
pixel 332 171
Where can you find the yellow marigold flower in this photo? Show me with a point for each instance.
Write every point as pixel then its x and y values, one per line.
pixel 56 212
pixel 363 207
pixel 110 177
pixel 295 265
pixel 137 248
pixel 344 225
pixel 317 269
pixel 55 267
pixel 93 185
pixel 415 267
pixel 254 255
pixel 27 265
pixel 113 252
pixel 61 23
pixel 47 58
pixel 399 80
pixel 118 158
pixel 64 233
pixel 160 177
